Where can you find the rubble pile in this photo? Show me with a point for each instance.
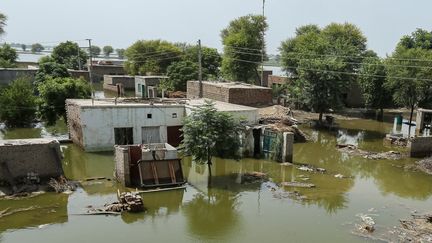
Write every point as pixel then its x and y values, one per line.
pixel 128 202
pixel 395 140
pixel 424 165
pixel 353 150
pixel 62 185
pixel 252 177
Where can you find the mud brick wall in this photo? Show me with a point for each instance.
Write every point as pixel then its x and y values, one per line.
pixel 420 147
pixel 122 173
pixel 73 113
pixel 43 158
pixel 241 96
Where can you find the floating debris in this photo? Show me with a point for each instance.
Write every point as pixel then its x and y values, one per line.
pixel 252 177
pixel 425 165
pixel 305 168
pixel 128 201
pixel 367 225
pixel 340 176
pixel 298 184
pixel 353 150
pixel 62 185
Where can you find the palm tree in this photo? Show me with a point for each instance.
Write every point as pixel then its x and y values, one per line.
pixel 3 19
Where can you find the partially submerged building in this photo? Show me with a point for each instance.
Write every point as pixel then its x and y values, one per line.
pixel 421 144
pixel 148 86
pixel 23 159
pixel 231 92
pixel 98 125
pixel 148 165
pixel 112 81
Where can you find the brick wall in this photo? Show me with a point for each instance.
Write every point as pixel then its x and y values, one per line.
pixel 420 147
pixel 74 124
pixel 43 158
pixel 273 79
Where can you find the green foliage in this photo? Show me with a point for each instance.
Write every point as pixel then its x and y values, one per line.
pixel 372 82
pixel 108 50
pixel 150 56
pixel 320 62
pixel 36 47
pixel 210 59
pixel 18 103
pixel 69 53
pixel 120 53
pixel 54 92
pixel 3 19
pixel 23 47
pixel 208 132
pixel 49 70
pixel 95 50
pixel 179 73
pixel 8 56
pixel 245 33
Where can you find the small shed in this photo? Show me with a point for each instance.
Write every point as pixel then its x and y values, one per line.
pixel 148 165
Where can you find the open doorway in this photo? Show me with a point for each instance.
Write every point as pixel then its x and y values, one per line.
pixel 123 135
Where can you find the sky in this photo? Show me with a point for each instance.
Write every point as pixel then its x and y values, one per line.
pixel 120 23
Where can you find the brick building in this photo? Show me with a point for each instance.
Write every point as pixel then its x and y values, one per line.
pixel 231 92
pixel 274 80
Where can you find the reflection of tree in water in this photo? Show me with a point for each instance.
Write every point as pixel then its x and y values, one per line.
pixel 214 215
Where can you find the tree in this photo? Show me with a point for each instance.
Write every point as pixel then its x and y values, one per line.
pixel 108 50
pixel 178 74
pixel 50 70
pixel 210 59
pixel 243 42
pixel 54 92
pixel 151 56
pixel 208 132
pixel 409 72
pixel 36 47
pixel 95 50
pixel 120 53
pixel 23 47
pixel 372 80
pixel 8 56
pixel 18 104
pixel 322 63
pixel 3 19
pixel 69 54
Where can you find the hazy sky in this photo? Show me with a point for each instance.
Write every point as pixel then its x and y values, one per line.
pixel 120 23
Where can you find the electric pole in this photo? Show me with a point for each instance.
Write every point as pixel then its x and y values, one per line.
pixel 263 46
pixel 200 69
pixel 79 59
pixel 90 68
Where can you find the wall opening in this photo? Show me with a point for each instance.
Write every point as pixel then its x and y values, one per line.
pixel 123 135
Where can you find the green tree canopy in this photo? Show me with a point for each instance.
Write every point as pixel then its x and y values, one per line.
pixel 3 19
pixel 69 53
pixel 409 71
pixel 120 53
pixel 151 56
pixel 208 132
pixel 95 50
pixel 372 80
pixel 179 73
pixel 50 70
pixel 18 103
pixel 210 59
pixel 8 56
pixel 108 50
pixel 36 47
pixel 243 42
pixel 23 47
pixel 54 92
pixel 322 61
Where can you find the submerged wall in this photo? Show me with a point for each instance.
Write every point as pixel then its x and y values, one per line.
pixel 420 147
pixel 22 156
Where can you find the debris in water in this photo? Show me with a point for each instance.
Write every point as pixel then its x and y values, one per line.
pixel 340 176
pixel 424 165
pixel 252 177
pixel 128 201
pixel 62 185
pixel 305 168
pixel 367 225
pixel 298 184
pixel 353 150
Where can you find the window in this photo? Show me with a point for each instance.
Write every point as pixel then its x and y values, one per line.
pixel 123 135
pixel 149 115
pixel 174 115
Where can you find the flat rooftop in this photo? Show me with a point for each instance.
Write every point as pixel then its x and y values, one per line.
pixel 232 85
pixel 221 106
pixel 119 76
pixel 154 76
pixel 124 102
pixel 29 141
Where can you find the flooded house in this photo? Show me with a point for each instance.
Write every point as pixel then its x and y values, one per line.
pixel 147 86
pixel 421 144
pixel 98 125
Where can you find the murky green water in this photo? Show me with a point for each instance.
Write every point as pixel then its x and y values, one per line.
pixel 230 211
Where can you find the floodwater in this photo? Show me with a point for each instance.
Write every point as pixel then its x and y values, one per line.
pixel 230 211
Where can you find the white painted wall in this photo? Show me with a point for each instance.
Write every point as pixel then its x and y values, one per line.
pixel 99 122
pixel 251 116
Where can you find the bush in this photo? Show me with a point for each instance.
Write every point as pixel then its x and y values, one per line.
pixel 18 104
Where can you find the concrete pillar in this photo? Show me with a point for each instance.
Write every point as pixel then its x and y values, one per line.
pixel 249 142
pixel 287 149
pixel 420 121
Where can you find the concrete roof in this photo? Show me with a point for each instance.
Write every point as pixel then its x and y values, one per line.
pixel 154 76
pixel 119 76
pixel 229 85
pixel 124 102
pixel 14 142
pixel 221 106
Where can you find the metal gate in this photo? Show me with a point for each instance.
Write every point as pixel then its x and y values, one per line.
pixel 269 138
